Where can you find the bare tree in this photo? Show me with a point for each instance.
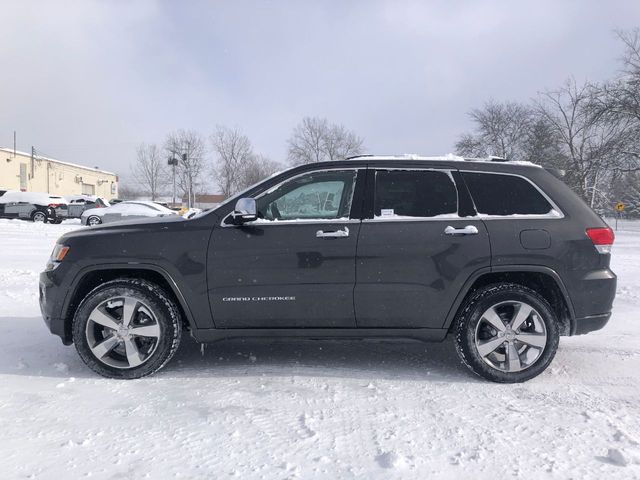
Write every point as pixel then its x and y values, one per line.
pixel 257 168
pixel 189 148
pixel 621 97
pixel 149 169
pixel 542 144
pixel 502 129
pixel 233 152
pixel 340 143
pixel 129 191
pixel 624 92
pixel 470 145
pixel 592 143
pixel 315 140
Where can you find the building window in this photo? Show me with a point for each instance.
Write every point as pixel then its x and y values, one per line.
pixel 88 189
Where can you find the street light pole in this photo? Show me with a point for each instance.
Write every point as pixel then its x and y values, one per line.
pixel 184 161
pixel 173 161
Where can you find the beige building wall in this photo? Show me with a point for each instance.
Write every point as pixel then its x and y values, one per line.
pixel 42 174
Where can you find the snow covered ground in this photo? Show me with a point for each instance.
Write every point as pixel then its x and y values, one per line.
pixel 310 410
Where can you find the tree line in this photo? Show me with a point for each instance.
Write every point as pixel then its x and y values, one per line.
pixel 228 158
pixel 588 131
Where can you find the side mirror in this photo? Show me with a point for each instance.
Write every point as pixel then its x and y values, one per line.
pixel 245 211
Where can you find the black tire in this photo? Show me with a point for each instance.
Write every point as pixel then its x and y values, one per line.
pixel 156 300
pixel 39 216
pixel 466 330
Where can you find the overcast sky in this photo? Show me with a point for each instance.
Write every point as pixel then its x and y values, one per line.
pixel 87 81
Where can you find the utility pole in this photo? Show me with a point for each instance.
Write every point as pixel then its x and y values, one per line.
pixel 173 161
pixel 184 161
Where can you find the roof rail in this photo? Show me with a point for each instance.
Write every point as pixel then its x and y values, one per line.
pixel 360 156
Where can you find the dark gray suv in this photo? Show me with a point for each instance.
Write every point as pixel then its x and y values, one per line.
pixel 503 257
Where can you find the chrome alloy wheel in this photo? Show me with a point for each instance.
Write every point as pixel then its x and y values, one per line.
pixel 122 332
pixel 510 336
pixel 93 220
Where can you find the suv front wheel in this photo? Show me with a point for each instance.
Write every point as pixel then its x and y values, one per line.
pixel 506 333
pixel 126 328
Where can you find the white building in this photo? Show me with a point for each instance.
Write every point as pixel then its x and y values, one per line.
pixel 36 173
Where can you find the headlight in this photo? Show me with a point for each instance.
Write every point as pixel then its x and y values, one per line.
pixel 58 254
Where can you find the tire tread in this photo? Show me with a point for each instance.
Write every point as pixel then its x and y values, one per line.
pixel 461 325
pixel 143 370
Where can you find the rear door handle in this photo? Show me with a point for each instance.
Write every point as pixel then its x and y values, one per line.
pixel 334 234
pixel 468 230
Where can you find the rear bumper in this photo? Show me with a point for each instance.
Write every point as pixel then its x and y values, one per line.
pixel 593 297
pixel 591 324
pixel 60 212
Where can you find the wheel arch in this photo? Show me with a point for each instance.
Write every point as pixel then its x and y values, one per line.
pixel 90 278
pixel 543 280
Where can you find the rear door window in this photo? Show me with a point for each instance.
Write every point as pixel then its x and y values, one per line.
pixel 503 195
pixel 414 194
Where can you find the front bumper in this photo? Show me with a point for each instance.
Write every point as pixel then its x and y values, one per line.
pixel 51 306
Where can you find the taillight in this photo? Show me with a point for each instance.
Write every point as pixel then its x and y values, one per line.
pixel 602 238
pixel 54 205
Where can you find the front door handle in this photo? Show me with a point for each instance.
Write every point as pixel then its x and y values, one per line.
pixel 335 234
pixel 468 230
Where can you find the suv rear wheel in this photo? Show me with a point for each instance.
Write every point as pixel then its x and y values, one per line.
pixel 506 333
pixel 39 216
pixel 126 328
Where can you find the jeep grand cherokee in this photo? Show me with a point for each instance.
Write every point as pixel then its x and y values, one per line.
pixel 500 256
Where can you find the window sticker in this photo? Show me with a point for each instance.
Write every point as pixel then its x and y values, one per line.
pixel 387 212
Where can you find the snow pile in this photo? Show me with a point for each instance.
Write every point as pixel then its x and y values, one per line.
pixel 303 409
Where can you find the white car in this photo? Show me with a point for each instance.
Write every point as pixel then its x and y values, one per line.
pixel 35 206
pixel 128 210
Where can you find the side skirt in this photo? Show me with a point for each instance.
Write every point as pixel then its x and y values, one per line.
pixel 421 334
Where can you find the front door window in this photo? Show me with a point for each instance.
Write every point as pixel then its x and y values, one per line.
pixel 314 196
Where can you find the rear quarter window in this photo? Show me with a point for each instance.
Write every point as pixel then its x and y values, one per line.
pixel 500 194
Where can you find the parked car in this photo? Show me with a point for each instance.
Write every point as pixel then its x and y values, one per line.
pixel 501 257
pixel 128 210
pixel 34 206
pixel 79 203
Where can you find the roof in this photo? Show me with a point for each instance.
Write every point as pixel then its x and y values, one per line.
pixel 49 159
pixel 441 158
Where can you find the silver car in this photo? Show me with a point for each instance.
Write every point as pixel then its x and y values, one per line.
pixel 128 210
